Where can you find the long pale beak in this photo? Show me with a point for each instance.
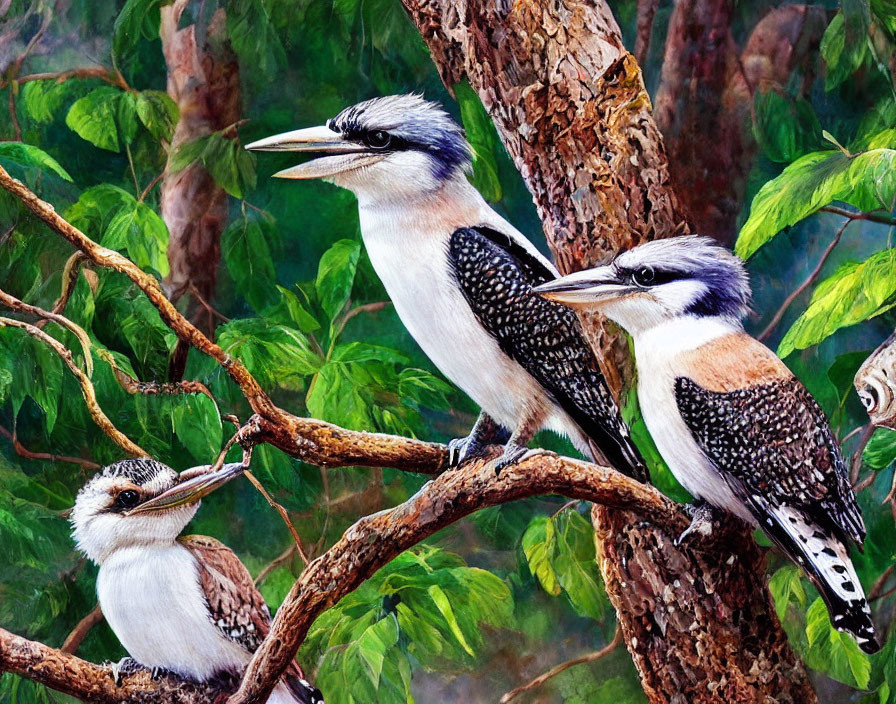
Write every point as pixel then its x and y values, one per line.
pixel 191 488
pixel 344 154
pixel 585 289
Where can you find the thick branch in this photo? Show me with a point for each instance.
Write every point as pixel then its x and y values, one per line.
pixel 375 540
pixel 94 683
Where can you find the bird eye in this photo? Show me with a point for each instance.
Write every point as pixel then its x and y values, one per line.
pixel 644 276
pixel 128 498
pixel 869 398
pixel 378 139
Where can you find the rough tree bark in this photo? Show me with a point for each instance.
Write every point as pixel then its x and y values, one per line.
pixel 204 81
pixel 570 106
pixel 704 100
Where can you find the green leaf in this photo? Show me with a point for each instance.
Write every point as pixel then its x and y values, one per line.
pixel 197 424
pixel 254 37
pixel 290 312
pixel 374 643
pixel 336 274
pixel 231 166
pixel 137 19
pixel 832 652
pixel 880 452
pixel 483 138
pixel 786 585
pixel 95 116
pixel 852 294
pixel 139 230
pixel 576 567
pixel 43 100
pixel 785 128
pixel 538 542
pixel 36 371
pixel 275 354
pixel 444 606
pixel 249 262
pixel 866 180
pixel 28 155
pixel 158 113
pixel 336 398
pixel 843 56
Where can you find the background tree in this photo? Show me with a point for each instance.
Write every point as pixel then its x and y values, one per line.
pixel 506 594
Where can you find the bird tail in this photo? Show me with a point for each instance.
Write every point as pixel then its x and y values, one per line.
pixel 620 454
pixel 298 690
pixel 826 562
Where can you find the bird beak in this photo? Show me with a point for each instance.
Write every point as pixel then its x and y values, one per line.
pixel 585 289
pixel 340 154
pixel 191 487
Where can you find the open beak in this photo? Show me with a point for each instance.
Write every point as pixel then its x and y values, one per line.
pixel 585 289
pixel 191 487
pixel 338 154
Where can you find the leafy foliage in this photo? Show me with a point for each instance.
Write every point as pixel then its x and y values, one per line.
pixel 426 605
pixel 560 553
pixel 865 180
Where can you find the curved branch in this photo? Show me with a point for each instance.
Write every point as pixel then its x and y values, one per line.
pixel 87 390
pixel 375 540
pixel 185 330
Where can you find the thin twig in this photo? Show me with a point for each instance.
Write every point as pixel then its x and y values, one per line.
pixel 282 511
pixel 87 390
pixel 282 558
pixel 150 187
pixel 870 217
pixel 877 588
pixel 79 632
pixel 211 310
pixel 770 328
pixel 554 671
pixel 366 308
pixel 100 72
pixel 23 451
pixel 855 465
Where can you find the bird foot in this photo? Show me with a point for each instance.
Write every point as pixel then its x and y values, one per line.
pixel 125 666
pixel 462 449
pixel 702 519
pixel 517 453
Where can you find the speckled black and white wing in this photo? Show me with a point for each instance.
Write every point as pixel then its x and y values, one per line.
pixel 772 440
pixel 496 275
pixel 236 606
pixel 774 447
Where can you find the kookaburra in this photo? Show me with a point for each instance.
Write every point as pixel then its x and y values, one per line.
pixel 735 426
pixel 184 604
pixel 461 277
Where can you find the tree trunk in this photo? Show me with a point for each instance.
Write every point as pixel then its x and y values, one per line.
pixel 204 81
pixel 704 101
pixel 570 106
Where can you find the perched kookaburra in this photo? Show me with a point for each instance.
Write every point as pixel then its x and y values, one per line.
pixel 184 604
pixel 461 277
pixel 735 426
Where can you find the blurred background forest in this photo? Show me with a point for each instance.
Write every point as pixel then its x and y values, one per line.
pixel 786 101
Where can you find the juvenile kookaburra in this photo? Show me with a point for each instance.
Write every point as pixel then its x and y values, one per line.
pixel 184 604
pixel 735 426
pixel 461 277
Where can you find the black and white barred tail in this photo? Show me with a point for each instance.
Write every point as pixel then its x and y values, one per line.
pixel 826 562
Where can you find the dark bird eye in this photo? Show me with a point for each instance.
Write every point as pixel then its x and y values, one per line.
pixel 378 139
pixel 128 498
pixel 644 276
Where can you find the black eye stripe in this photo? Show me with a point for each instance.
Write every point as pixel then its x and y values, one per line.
pixel 647 276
